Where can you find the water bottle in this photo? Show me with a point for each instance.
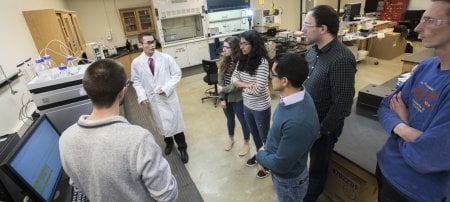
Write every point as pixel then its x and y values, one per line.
pixel 49 62
pixel 41 69
pixel 63 70
pixel 72 66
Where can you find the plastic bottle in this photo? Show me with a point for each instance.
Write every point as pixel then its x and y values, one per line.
pixel 41 69
pixel 63 70
pixel 39 65
pixel 71 65
pixel 49 61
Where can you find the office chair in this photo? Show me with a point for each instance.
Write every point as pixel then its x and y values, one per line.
pixel 211 78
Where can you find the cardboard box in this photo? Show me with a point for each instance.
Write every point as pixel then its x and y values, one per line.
pixel 391 46
pixel 348 182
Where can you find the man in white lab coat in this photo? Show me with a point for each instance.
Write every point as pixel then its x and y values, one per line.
pixel 155 75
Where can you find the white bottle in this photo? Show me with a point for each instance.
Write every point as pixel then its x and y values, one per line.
pixel 71 65
pixel 63 72
pixel 41 69
pixel 49 61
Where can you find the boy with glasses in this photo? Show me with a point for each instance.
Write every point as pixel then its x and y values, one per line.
pixel 294 128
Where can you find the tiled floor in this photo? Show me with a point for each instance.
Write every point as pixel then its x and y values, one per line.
pixel 222 175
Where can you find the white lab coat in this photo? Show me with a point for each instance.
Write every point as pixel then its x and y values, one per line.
pixel 165 111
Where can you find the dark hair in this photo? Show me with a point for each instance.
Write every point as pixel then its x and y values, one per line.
pixel 103 80
pixel 326 15
pixel 141 36
pixel 229 62
pixel 293 67
pixel 249 63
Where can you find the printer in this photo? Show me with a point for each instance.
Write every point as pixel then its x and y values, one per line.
pixel 62 99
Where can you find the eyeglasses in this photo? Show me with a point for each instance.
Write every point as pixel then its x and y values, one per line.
pixel 149 42
pixel 244 43
pixel 432 21
pixel 273 74
pixel 128 83
pixel 308 26
pixel 227 47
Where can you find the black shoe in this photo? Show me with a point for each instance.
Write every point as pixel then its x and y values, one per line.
pixel 168 149
pixel 184 156
pixel 262 174
pixel 252 161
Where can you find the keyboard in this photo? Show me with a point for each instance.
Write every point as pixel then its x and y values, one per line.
pixel 78 196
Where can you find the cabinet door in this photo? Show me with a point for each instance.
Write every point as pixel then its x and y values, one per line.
pixel 126 62
pixel 145 19
pixel 197 51
pixel 179 54
pixel 76 24
pixel 70 34
pixel 129 22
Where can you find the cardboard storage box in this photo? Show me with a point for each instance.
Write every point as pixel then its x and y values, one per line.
pixel 348 182
pixel 391 46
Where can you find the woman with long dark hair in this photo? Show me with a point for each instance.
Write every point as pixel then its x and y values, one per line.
pixel 231 96
pixel 252 75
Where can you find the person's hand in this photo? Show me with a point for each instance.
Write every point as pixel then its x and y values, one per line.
pixel 223 104
pixel 251 85
pixel 219 88
pixel 160 92
pixel 145 102
pixel 406 132
pixel 398 106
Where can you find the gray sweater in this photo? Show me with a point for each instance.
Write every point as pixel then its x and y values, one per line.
pixel 112 160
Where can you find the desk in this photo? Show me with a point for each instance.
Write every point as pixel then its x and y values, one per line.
pixel 363 136
pixel 410 61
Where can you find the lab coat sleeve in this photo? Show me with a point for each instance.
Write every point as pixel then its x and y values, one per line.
pixel 136 77
pixel 175 76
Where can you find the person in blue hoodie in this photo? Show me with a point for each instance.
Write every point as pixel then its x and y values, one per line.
pixel 294 129
pixel 414 164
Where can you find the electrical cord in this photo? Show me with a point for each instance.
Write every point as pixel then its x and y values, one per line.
pixel 23 116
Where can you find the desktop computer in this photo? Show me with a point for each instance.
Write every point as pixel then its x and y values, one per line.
pixel 351 10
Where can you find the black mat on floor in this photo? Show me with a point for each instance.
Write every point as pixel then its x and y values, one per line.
pixel 138 115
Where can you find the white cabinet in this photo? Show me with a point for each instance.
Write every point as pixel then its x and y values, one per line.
pixel 189 54
pixel 178 53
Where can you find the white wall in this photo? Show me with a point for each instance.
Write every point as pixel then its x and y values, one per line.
pixel 17 45
pixel 100 16
pixel 418 4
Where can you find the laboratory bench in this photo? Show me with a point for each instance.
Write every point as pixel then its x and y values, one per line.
pixel 412 60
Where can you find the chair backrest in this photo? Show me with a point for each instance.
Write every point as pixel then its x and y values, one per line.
pixel 210 67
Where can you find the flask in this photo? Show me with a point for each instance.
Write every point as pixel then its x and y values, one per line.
pixel 71 66
pixel 49 62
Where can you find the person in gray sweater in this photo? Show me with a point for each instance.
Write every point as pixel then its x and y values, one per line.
pixel 105 156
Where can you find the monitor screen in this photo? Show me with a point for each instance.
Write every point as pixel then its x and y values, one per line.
pixel 35 163
pixel 352 10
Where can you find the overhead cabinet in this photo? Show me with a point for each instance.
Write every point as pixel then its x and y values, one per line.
pixel 56 33
pixel 137 20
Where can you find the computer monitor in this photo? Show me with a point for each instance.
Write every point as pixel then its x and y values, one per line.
pixel 34 165
pixel 351 10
